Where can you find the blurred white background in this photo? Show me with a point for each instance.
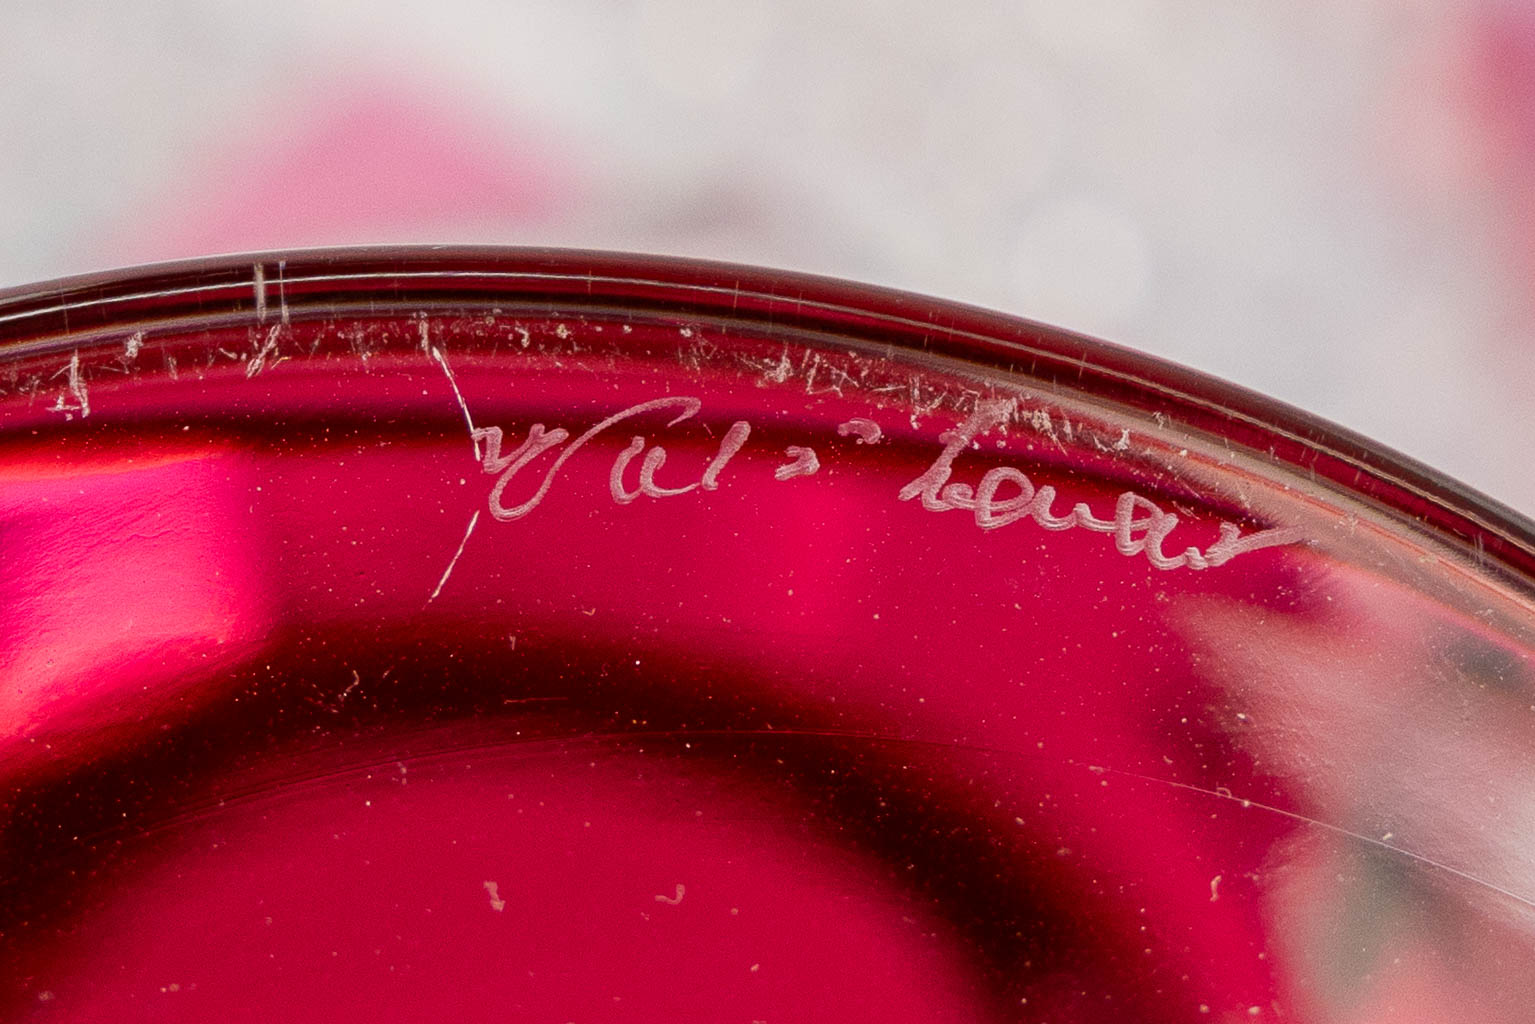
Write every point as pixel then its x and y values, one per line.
pixel 1330 203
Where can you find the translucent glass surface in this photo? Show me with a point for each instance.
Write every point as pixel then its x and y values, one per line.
pixel 498 635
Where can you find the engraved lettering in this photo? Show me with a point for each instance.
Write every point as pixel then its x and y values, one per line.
pixel 1003 496
pixel 734 438
pixel 648 487
pixel 991 513
pixel 1232 543
pixel 805 463
pixel 539 442
pixel 1140 526
pixel 616 477
pixel 863 430
pixel 954 441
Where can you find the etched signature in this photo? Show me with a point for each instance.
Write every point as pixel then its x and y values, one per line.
pixel 1139 526
pixel 540 440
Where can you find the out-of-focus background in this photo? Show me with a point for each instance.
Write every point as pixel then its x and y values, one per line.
pixel 1330 203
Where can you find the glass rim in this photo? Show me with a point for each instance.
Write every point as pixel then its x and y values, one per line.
pixel 71 312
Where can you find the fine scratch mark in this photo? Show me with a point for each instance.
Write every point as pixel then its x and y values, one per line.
pixel 682 891
pixel 282 291
pixel 494 892
pixel 258 361
pixel 473 520
pixel 76 389
pixel 132 346
pixel 1223 794
pixel 1120 445
pixel 779 371
pixel 258 285
pixel 474 438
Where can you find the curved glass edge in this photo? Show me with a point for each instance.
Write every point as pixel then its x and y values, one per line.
pixel 60 315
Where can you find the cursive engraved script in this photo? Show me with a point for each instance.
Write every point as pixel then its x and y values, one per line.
pixel 1139 526
pixel 540 440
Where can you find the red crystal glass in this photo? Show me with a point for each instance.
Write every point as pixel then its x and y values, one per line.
pixel 484 635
